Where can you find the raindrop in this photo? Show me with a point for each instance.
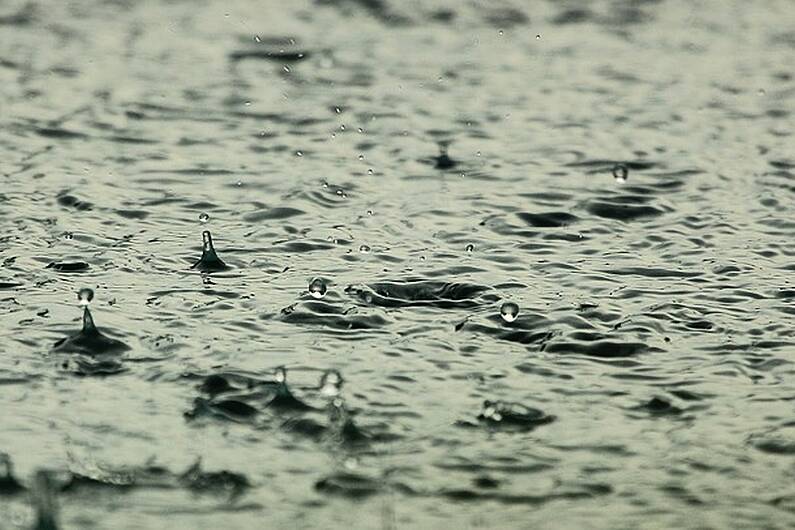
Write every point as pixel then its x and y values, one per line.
pixel 361 157
pixel 370 171
pixel 360 130
pixel 369 212
pixel 85 295
pixel 337 110
pixel 342 126
pixel 364 249
pixel 538 37
pixel 761 92
pixel 286 68
pixel 239 183
pixel 470 247
pixel 509 311
pixel 331 383
pixel 281 375
pixel 204 217
pixel 317 288
pixel 620 173
pixel 299 153
pixel 501 33
pixel 248 103
pixel 68 235
pixel 257 38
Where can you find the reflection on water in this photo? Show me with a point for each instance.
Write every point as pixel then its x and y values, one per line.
pixel 491 264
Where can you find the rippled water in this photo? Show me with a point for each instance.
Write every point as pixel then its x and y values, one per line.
pixel 384 180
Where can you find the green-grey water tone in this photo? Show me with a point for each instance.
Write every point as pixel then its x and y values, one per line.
pixel 478 264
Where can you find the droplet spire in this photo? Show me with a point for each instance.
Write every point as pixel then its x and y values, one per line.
pixel 209 261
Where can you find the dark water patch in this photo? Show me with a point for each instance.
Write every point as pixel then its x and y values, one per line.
pixel 271 214
pixel 9 485
pixel 381 10
pixel 25 16
pixel 509 417
pixel 279 55
pixel 70 201
pixel 225 483
pixel 303 246
pixel 776 441
pixel 548 219
pixel 625 209
pixel 351 485
pixel 658 406
pixel 573 16
pixel 331 316
pixel 58 133
pixel 9 285
pixel 504 17
pixel 653 272
pixel 604 348
pixel 68 266
pixel 419 293
pixel 467 495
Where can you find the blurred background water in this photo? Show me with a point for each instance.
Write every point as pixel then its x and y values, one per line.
pixel 384 179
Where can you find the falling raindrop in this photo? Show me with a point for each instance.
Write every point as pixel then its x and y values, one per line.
pixel 620 173
pixel 204 217
pixel 317 288
pixel 280 374
pixel 257 38
pixel 470 247
pixel 538 37
pixel 509 311
pixel 85 295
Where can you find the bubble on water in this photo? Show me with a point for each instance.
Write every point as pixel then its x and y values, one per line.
pixel 364 249
pixel 85 295
pixel 620 173
pixel 280 374
pixel 470 247
pixel 331 383
pixel 317 288
pixel 509 311
pixel 204 217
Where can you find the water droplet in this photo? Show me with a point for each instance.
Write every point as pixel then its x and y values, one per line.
pixel 239 183
pixel 257 38
pixel 470 247
pixel 620 173
pixel 204 217
pixel 509 311
pixel 477 154
pixel 299 153
pixel 331 383
pixel 761 92
pixel 248 103
pixel 337 110
pixel 68 235
pixel 280 374
pixel 370 171
pixel 286 68
pixel 360 130
pixel 538 37
pixel 361 157
pixel 364 249
pixel 317 288
pixel 501 33
pixel 85 295
pixel 342 126
pixel 369 212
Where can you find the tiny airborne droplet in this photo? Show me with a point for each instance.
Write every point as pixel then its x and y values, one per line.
pixel 85 295
pixel 509 311
pixel 364 249
pixel 620 173
pixel 204 217
pixel 317 288
pixel 470 247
